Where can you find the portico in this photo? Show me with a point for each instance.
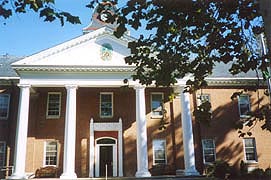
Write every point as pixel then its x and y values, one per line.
pixel 73 66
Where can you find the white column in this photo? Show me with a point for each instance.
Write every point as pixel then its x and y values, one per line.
pixel 120 149
pixel 141 127
pixel 21 134
pixel 188 141
pixel 70 134
pixel 91 149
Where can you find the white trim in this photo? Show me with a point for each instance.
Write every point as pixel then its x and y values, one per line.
pixel 44 152
pixel 249 106
pixel 105 127
pixel 156 93
pixel 4 153
pixel 8 95
pixel 153 152
pixel 97 156
pixel 112 102
pixel 255 151
pixel 47 107
pixel 203 152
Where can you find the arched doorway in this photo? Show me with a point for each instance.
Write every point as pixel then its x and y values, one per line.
pixel 106 157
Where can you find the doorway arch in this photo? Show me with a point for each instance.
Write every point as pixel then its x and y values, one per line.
pixel 106 156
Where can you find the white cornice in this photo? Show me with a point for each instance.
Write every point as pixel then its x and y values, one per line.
pixel 74 68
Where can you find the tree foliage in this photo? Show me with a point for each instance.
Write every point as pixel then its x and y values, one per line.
pixel 190 37
pixel 45 9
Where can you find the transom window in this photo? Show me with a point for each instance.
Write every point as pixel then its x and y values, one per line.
pixel 250 149
pixel 53 104
pixel 4 106
pixel 159 151
pixel 156 104
pixel 2 153
pixel 106 141
pixel 50 153
pixel 208 147
pixel 244 105
pixel 106 105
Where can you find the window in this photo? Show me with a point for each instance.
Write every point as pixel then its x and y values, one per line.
pixel 250 149
pixel 50 153
pixel 106 105
pixel 201 98
pixel 2 153
pixel 208 147
pixel 53 104
pixel 159 151
pixel 4 106
pixel 156 104
pixel 244 105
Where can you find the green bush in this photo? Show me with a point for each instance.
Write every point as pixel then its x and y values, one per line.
pixel 218 169
pixel 257 173
pixel 267 172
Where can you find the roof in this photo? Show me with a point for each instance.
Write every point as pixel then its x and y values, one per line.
pixel 6 70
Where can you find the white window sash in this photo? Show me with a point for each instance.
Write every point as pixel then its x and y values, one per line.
pixel 112 105
pixel 244 104
pixel 3 153
pixel 48 116
pixel 45 153
pixel 250 147
pixel 204 149
pixel 159 109
pixel 155 149
pixel 8 104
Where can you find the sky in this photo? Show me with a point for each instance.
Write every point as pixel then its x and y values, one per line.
pixel 27 34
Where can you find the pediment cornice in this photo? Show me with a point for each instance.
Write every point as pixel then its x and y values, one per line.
pixel 74 68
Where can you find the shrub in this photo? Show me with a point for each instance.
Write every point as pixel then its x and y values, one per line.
pixel 258 173
pixel 267 172
pixel 218 169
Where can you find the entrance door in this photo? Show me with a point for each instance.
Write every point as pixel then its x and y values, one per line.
pixel 106 155
pixel 106 160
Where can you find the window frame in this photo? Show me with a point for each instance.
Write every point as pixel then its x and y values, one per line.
pixel 203 150
pixel 45 153
pixel 112 104
pixel 152 111
pixel 153 151
pixel 47 107
pixel 254 150
pixel 239 106
pixel 8 106
pixel 199 98
pixel 3 153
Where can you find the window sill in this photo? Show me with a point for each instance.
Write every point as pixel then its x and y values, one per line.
pixel 156 117
pixel 244 116
pixel 52 117
pixel 251 162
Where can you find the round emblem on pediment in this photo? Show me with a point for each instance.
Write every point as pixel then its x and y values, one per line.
pixel 106 52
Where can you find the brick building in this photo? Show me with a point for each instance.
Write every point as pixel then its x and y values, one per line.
pixel 77 113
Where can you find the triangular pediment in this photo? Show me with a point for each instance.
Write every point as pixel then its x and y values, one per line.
pixel 99 48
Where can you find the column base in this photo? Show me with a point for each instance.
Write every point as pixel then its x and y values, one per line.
pixel 68 176
pixel 18 176
pixel 187 172
pixel 143 174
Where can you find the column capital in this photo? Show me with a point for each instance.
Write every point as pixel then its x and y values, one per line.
pixel 24 85
pixel 71 86
pixel 139 86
